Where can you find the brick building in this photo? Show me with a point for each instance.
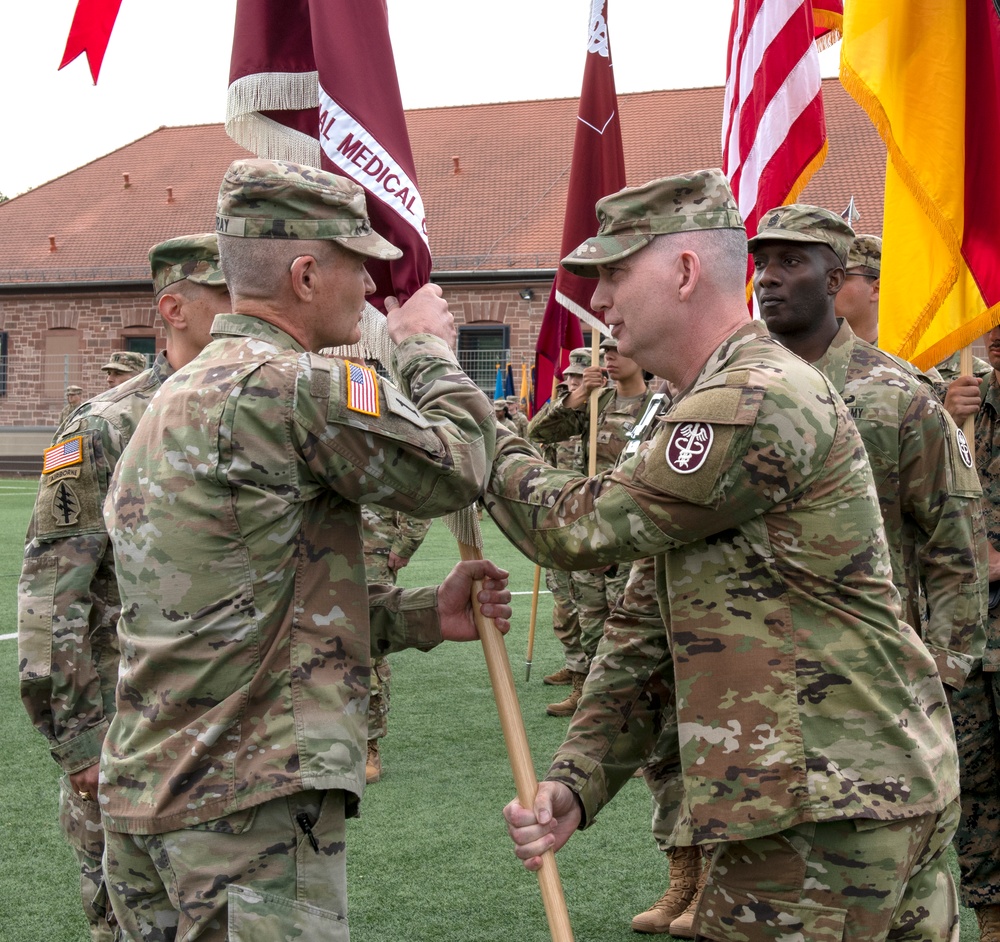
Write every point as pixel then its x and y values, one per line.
pixel 74 278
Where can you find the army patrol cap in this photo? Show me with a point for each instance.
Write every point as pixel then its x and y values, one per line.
pixel 801 222
pixel 499 403
pixel 74 391
pixel 125 361
pixel 273 199
pixel 609 343
pixel 193 257
pixel 579 359
pixel 866 252
pixel 634 216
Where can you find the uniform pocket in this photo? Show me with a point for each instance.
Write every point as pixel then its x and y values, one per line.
pixel 255 916
pixel 728 916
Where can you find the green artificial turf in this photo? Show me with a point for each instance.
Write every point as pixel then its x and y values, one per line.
pixel 429 858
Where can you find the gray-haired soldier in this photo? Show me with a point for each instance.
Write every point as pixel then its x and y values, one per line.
pixel 68 603
pixel 248 626
pixel 801 753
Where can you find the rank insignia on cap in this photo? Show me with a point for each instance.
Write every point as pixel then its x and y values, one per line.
pixel 362 389
pixel 62 455
pixel 963 448
pixel 688 447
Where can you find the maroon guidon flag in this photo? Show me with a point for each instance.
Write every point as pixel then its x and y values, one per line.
pixel 598 169
pixel 90 32
pixel 314 82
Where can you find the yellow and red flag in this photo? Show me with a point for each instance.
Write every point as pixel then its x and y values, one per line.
pixel 928 74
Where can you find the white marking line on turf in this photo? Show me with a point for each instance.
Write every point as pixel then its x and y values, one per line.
pixel 8 637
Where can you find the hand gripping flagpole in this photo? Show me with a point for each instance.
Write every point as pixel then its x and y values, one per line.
pixel 464 525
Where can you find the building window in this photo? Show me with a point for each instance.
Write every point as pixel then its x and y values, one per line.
pixel 62 362
pixel 3 363
pixel 144 345
pixel 480 350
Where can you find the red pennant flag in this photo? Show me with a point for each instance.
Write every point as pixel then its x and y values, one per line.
pixel 314 82
pixel 773 127
pixel 598 169
pixel 90 33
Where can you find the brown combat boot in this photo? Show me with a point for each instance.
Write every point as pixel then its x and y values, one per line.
pixel 373 764
pixel 567 707
pixel 685 868
pixel 989 923
pixel 683 926
pixel 561 678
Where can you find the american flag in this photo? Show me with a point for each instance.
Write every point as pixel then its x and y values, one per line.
pixel 61 455
pixel 773 127
pixel 362 389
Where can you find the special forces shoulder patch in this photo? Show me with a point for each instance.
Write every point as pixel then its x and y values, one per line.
pixel 689 446
pixel 963 448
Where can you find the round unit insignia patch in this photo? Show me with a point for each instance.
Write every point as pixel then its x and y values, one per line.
pixel 963 448
pixel 689 446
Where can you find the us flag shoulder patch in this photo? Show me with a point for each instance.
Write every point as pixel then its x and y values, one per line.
pixel 62 455
pixel 362 389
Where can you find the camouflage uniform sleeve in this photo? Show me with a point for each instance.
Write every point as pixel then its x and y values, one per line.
pixel 645 506
pixel 941 492
pixel 445 427
pixel 403 618
pixel 628 692
pixel 409 535
pixel 557 422
pixel 68 604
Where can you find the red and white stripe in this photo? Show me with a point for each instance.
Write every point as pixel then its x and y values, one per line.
pixel 773 128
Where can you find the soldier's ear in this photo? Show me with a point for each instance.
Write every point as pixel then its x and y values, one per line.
pixel 835 278
pixel 873 297
pixel 171 310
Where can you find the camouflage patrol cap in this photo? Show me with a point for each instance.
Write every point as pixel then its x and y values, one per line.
pixel 193 257
pixel 801 222
pixel 866 252
pixel 499 403
pixel 634 216
pixel 512 399
pixel 579 360
pixel 125 361
pixel 609 343
pixel 273 199
pixel 74 391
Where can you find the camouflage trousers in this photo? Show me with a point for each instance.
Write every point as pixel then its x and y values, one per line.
pixel 838 881
pixel 378 699
pixel 81 823
pixel 252 876
pixel 976 712
pixel 565 619
pixel 662 774
pixel 596 593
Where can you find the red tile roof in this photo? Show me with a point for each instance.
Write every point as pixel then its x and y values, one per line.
pixel 493 179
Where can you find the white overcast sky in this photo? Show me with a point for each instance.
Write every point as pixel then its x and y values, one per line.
pixel 168 64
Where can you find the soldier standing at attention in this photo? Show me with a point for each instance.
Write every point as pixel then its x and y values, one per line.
pixel 248 626
pixel 123 365
pixel 813 727
pixel 68 603
pixel 927 486
pixel 74 396
pixel 516 415
pixel 976 707
pixel 619 406
pixel 857 299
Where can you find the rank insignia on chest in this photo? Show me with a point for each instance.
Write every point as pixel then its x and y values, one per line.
pixel 362 389
pixel 63 455
pixel 689 445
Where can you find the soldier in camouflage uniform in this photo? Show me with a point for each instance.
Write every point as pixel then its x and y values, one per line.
pixel 247 626
pixel 123 365
pixel 816 746
pixel 565 618
pixel 928 489
pixel 857 300
pixel 619 406
pixel 516 416
pixel 977 706
pixel 74 396
pixel 68 601
pixel 390 540
pixel 502 414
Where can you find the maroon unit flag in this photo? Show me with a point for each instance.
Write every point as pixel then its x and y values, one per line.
pixel 773 127
pixel 90 33
pixel 598 169
pixel 314 82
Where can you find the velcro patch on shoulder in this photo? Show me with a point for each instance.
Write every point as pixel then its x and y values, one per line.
pixel 692 448
pixel 319 376
pixel 965 477
pixel 362 389
pixel 398 404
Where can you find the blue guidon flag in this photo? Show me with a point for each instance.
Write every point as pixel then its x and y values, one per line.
pixel 362 389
